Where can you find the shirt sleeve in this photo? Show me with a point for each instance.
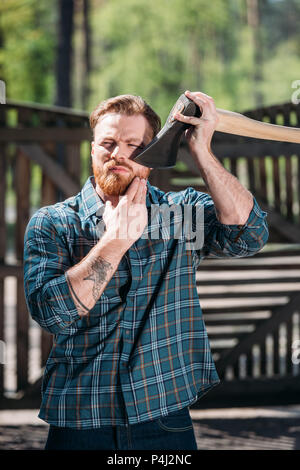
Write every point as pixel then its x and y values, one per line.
pixel 222 240
pixel 46 259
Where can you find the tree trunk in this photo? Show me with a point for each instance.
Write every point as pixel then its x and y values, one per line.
pixel 64 54
pixel 253 19
pixel 86 54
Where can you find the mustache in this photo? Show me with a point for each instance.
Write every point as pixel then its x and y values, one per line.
pixel 112 163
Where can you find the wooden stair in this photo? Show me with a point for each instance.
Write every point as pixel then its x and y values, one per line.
pixel 239 296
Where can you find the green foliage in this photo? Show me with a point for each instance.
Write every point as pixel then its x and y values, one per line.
pixel 160 48
pixel 156 49
pixel 27 55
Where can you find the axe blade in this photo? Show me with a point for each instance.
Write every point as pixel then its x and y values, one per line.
pixel 162 151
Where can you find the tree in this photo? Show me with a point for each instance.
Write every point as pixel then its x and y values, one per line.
pixel 64 53
pixel 87 54
pixel 253 17
pixel 27 50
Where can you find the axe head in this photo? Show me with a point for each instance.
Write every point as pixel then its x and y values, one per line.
pixel 161 152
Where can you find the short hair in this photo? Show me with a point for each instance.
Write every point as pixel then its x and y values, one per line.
pixel 126 104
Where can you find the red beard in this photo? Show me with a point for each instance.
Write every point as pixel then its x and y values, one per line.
pixel 113 184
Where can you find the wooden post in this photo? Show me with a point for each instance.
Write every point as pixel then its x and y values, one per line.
pixel 249 366
pixel 298 161
pixel 263 358
pixel 289 342
pixel 251 174
pixel 298 186
pixel 288 171
pixel 276 177
pixel 2 242
pixel 48 197
pixel 289 188
pixel 22 193
pixel 276 351
pixel 276 184
pixel 236 370
pixel 233 166
pixel 263 178
pixel 73 163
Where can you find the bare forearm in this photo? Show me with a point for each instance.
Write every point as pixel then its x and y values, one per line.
pixel 233 202
pixel 88 279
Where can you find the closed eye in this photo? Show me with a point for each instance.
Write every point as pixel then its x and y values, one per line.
pixel 106 144
pixel 136 146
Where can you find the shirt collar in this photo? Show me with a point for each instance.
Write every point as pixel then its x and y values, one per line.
pixel 92 202
pixel 151 197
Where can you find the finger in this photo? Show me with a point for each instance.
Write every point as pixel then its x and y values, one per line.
pixel 132 189
pixel 194 121
pixel 206 101
pixel 108 206
pixel 144 195
pixel 144 192
pixel 198 94
pixel 138 198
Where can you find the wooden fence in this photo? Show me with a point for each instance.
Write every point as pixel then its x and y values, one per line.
pixel 45 157
pixel 41 151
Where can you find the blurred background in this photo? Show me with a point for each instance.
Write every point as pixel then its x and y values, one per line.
pixel 58 60
pixel 244 53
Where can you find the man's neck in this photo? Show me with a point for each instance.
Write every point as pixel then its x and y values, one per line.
pixel 113 199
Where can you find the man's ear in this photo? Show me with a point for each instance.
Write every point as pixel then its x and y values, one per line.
pixel 92 149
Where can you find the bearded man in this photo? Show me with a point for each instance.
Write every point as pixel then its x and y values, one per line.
pixel 130 350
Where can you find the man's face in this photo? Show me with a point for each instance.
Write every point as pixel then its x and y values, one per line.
pixel 116 138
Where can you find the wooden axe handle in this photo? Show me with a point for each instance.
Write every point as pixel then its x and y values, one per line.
pixel 235 123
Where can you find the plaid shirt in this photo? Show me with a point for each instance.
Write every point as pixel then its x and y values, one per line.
pixel 142 352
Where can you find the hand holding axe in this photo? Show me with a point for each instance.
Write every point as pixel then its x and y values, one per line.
pixel 161 152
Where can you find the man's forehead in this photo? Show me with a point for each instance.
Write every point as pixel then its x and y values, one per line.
pixel 133 126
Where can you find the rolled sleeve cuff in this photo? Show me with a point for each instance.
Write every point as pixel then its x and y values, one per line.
pixel 57 295
pixel 256 222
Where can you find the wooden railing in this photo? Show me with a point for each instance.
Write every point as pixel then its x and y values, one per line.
pixel 45 157
pixel 44 153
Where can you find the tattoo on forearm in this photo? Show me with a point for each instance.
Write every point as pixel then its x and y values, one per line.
pixel 97 273
pixel 81 308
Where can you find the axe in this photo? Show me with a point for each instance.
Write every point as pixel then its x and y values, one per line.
pixel 161 152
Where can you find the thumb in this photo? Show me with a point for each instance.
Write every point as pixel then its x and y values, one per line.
pixel 107 208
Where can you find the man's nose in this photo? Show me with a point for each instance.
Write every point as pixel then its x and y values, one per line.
pixel 116 151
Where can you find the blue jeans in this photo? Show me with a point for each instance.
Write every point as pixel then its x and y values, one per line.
pixel 172 432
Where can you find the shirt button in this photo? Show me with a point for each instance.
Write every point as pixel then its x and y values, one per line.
pixel 127 332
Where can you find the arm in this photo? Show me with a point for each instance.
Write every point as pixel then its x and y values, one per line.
pixel 88 279
pixel 226 240
pixel 98 267
pixel 233 202
pixel 234 224
pixel 58 294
